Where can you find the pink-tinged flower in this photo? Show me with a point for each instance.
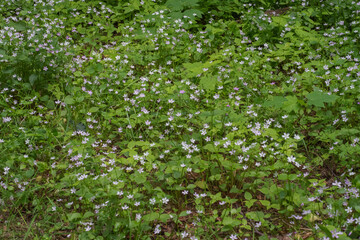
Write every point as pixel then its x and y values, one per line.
pixel 236 88
pixel 182 91
pixel 273 83
pixel 45 68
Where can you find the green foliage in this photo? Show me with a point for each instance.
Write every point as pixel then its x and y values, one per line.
pixel 179 119
pixel 319 98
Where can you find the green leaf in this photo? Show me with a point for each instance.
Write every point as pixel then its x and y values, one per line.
pixel 32 79
pixel 325 230
pixel 88 214
pixel 139 178
pixel 279 20
pixel 193 69
pixel 80 99
pixel 318 98
pixel 69 100
pixel 164 217
pixel 201 184
pixel 228 221
pixel 21 26
pixel 190 13
pixel 183 213
pixel 250 203
pixel 210 147
pixel 131 144
pixel 94 109
pixel 291 104
pixel 42 166
pixel 276 102
pixel 357 208
pixel 248 196
pixel 214 30
pixel 176 174
pixel 303 34
pixel 208 83
pixel 265 203
pixel 151 217
pixel 29 173
pixel 99 67
pixel 283 176
pixel 44 98
pixel 178 5
pixel 90 69
pixel 72 216
pixel 271 133
pixel 292 177
pixel 256 216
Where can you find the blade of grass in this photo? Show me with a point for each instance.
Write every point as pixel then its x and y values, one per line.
pixel 29 227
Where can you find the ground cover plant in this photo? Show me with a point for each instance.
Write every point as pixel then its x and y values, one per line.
pixel 179 119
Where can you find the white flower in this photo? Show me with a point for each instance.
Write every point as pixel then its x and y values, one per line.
pixel 165 200
pixel 233 237
pixel 257 225
pixel 286 136
pixel 184 234
pixel 6 119
pixel 291 159
pixel 348 210
pixel 157 229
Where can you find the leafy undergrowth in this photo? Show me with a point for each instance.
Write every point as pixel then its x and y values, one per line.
pixel 175 119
